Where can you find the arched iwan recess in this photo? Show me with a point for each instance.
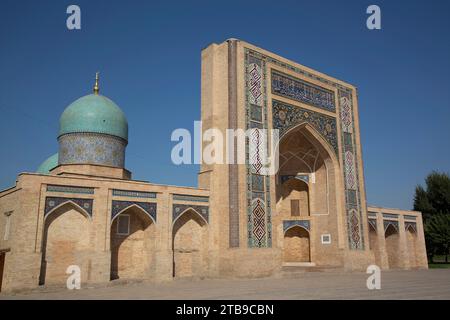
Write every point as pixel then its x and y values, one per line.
pixel 392 241
pixel 296 245
pixel 190 245
pixel 65 242
pixel 132 244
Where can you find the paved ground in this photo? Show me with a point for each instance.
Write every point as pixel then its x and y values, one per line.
pixel 424 284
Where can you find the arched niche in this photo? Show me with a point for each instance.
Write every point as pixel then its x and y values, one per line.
pixel 392 242
pixel 132 236
pixel 304 152
pixel 65 242
pixel 189 244
pixel 296 245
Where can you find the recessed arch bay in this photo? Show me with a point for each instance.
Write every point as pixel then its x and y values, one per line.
pixel 118 207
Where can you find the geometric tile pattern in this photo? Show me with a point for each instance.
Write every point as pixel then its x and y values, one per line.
pixel 352 194
pixel 354 227
pixel 178 208
pixel 69 189
pixel 118 206
pixel 259 224
pixel 53 202
pixel 296 89
pixel 286 116
pixel 255 86
pixel 233 168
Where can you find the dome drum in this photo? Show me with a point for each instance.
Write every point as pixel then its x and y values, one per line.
pixel 92 148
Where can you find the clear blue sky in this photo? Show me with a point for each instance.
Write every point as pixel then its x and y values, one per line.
pixel 148 54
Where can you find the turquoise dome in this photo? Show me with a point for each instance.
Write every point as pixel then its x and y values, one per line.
pixel 96 114
pixel 48 164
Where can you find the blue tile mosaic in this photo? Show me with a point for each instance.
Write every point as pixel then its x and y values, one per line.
pixel 302 91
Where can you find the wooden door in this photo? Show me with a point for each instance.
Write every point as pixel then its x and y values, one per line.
pixel 2 264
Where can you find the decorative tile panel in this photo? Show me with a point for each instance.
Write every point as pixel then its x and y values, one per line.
pixel 256 113
pixel 302 91
pixel 133 194
pixel 185 197
pixel 286 116
pixel 178 208
pixel 257 182
pixel 69 189
pixel 119 206
pixel 352 198
pixel 91 148
pixel 351 176
pixel 353 201
pixel 408 217
pixel 290 223
pixel 255 84
pixel 233 167
pixel 346 115
pixel 53 202
pixel 354 225
pixel 259 221
pixel 390 216
pixel 372 214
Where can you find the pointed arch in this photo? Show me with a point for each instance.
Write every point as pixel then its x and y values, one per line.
pixel 390 225
pixel 296 245
pixel 132 251
pixel 372 224
pixel 296 179
pixel 65 241
pixel 315 134
pixel 410 227
pixel 295 226
pixel 392 243
pixel 185 211
pixel 71 204
pixel 324 166
pixel 133 206
pixel 189 243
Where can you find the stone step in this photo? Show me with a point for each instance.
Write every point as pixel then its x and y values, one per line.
pixel 289 271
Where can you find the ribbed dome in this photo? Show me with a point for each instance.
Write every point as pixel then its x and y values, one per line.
pixel 48 164
pixel 96 114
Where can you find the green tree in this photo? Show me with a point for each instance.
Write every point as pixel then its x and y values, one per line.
pixel 436 197
pixel 437 229
pixel 434 203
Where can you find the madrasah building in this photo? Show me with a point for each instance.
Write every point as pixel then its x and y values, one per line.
pixel 83 208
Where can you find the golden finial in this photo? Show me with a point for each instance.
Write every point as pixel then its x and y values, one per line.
pixel 96 88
